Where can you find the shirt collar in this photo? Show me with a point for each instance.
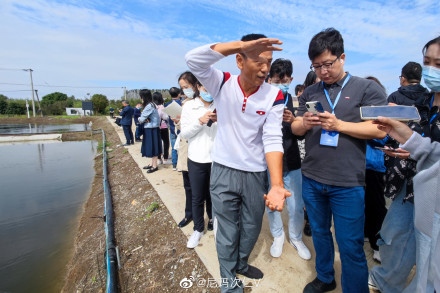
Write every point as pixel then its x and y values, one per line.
pixel 339 83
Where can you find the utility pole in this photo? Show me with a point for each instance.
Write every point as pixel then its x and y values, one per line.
pixel 32 89
pixel 39 104
pixel 125 92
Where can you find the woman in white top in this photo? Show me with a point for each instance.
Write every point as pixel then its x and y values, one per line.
pixel 198 125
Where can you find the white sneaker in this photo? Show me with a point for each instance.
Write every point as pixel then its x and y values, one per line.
pixel 174 169
pixel 167 162
pixel 302 249
pixel 277 246
pixel 179 170
pixel 371 283
pixel 376 256
pixel 160 162
pixel 194 239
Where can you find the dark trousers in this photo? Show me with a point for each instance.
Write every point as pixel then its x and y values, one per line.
pixel 375 210
pixel 166 142
pixel 139 130
pixel 199 176
pixel 188 195
pixel 128 133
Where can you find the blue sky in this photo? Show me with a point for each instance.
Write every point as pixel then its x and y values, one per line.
pixel 93 44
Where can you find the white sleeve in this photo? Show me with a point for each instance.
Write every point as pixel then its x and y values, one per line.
pixel 272 133
pixel 190 125
pixel 200 61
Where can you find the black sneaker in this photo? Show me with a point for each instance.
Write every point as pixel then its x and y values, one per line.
pixel 318 286
pixel 252 273
pixel 210 225
pixel 184 222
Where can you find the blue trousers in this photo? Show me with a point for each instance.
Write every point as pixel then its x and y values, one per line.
pixel 173 151
pixel 139 130
pixel 346 205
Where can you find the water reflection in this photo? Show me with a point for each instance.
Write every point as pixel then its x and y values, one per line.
pixel 43 187
pixel 41 128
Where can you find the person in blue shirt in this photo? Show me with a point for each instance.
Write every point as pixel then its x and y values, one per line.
pixel 126 121
pixel 139 126
pixel 175 97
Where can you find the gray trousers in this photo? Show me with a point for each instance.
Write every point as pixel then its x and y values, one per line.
pixel 238 208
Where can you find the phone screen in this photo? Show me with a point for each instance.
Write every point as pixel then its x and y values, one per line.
pixel 402 113
pixel 314 107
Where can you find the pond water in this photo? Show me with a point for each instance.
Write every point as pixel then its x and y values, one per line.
pixel 43 188
pixel 41 128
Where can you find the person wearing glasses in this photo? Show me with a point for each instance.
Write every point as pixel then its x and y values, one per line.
pixel 334 166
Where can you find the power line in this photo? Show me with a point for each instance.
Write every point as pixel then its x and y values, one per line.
pixel 69 86
pixel 15 91
pixel 15 69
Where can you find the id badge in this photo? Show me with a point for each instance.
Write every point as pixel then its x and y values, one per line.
pixel 329 138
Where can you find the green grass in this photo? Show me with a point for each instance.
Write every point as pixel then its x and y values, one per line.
pixel 153 207
pixel 100 145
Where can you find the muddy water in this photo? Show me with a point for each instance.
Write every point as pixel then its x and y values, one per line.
pixel 42 188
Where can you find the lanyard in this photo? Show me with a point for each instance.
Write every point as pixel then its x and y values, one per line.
pixel 337 97
pixel 430 106
pixel 287 98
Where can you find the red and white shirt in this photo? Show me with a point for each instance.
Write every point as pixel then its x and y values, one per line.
pixel 247 126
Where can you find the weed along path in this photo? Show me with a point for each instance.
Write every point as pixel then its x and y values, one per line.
pixel 289 273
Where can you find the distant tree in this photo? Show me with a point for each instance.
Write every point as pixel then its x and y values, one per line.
pixel 16 107
pixel 100 102
pixel 53 97
pixel 3 104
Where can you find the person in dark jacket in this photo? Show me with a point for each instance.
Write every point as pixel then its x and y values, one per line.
pixel 126 121
pixel 139 126
pixel 410 91
pixel 281 76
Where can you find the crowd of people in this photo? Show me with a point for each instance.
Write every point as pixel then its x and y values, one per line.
pixel 243 148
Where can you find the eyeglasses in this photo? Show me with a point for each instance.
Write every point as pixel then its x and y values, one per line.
pixel 325 66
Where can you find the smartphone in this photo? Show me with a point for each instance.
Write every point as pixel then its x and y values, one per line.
pixel 401 113
pixel 210 121
pixel 314 107
pixel 389 149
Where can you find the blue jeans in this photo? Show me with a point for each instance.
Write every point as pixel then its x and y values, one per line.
pixel 173 151
pixel 347 206
pixel 295 206
pixel 397 246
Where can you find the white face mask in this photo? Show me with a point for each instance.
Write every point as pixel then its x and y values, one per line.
pixel 189 93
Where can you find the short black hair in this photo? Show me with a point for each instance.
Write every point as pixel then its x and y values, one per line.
pixel 174 92
pixel 281 67
pixel 298 88
pixel 431 42
pixel 328 39
pixel 310 79
pixel 146 97
pixel 252 37
pixel 412 71
pixel 157 98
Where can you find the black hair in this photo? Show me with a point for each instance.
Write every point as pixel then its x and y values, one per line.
pixel 328 39
pixel 192 80
pixel 281 67
pixel 157 98
pixel 376 80
pixel 174 92
pixel 252 37
pixel 431 42
pixel 146 97
pixel 298 88
pixel 412 71
pixel 310 79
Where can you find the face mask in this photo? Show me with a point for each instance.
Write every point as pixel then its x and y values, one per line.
pixel 206 97
pixel 284 87
pixel 189 93
pixel 431 76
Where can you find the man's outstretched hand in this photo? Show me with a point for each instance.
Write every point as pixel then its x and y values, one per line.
pixel 253 49
pixel 274 200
